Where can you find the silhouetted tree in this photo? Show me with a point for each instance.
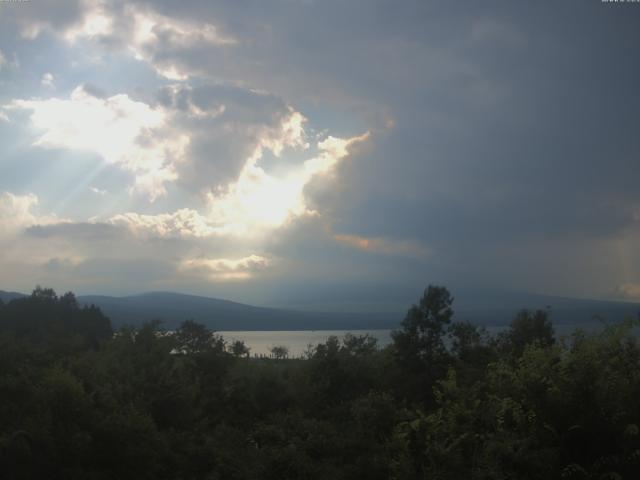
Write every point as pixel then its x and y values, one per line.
pixel 279 352
pixel 193 337
pixel 527 328
pixel 419 344
pixel 239 349
pixel 523 407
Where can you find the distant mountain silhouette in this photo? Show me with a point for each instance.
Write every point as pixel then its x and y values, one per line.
pixel 8 296
pixel 173 308
pixel 499 308
pixel 493 309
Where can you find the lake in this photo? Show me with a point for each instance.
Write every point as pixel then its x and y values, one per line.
pixel 297 341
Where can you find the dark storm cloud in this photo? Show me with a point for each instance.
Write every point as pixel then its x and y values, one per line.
pixel 508 117
pixel 511 124
pixel 549 148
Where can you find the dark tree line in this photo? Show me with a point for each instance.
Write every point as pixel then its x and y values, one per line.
pixel 445 400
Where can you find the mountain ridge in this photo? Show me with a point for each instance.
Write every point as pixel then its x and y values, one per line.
pixel 226 315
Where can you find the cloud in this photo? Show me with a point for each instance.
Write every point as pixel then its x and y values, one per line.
pixel 402 248
pixel 75 231
pixel 629 291
pixel 78 255
pixel 226 268
pixel 20 253
pixel 74 20
pixel 70 251
pixel 260 200
pixel 156 143
pixel 51 16
pixel 138 29
pixel 98 191
pixel 227 125
pixel 255 203
pixel 202 136
pixel 182 223
pixel 506 155
pixel 3 60
pixel 95 21
pixel 155 38
pixel 16 212
pixel 47 80
pixel 124 132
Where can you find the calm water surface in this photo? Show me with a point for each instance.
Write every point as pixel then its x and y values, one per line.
pixel 297 341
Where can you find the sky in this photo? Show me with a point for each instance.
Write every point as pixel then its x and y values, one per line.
pixel 336 155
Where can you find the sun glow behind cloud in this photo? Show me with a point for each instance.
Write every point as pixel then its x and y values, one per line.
pixel 256 203
pixel 248 146
pixel 148 142
pixel 258 200
pixel 225 268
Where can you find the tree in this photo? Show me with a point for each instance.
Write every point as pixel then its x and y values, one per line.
pixel 419 345
pixel 57 322
pixel 239 349
pixel 420 340
pixel 69 301
pixel 527 328
pixel 358 345
pixel 279 352
pixel 44 294
pixel 193 337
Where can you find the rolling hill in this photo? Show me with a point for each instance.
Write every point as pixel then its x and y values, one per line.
pixel 494 309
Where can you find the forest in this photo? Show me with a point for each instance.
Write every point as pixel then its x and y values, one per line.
pixel 445 400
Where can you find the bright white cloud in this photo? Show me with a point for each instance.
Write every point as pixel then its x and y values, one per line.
pixel 96 22
pixel 183 223
pixel 16 212
pixel 122 131
pixel 226 268
pixel 290 133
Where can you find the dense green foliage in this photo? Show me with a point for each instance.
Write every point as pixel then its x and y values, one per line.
pixel 444 401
